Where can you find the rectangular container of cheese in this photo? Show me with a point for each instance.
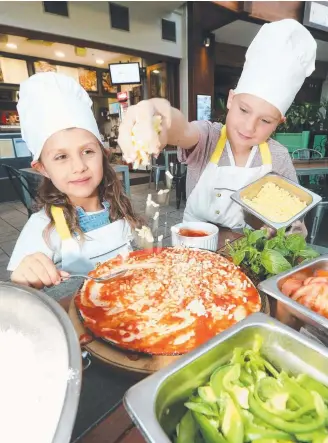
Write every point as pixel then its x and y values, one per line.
pixel 250 191
pixel 156 404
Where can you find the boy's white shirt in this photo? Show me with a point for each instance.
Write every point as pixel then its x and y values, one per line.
pixel 93 247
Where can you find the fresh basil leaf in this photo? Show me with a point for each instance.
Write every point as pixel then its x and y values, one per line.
pixel 251 252
pixel 238 257
pixel 308 253
pixel 283 251
pixel 295 242
pixel 256 235
pixel 272 243
pixel 281 232
pixel 247 232
pixel 274 262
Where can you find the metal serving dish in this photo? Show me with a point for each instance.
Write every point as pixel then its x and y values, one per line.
pixel 289 311
pixel 156 403
pixel 46 325
pixel 250 191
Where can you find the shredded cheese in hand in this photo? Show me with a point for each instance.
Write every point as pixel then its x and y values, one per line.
pixel 143 149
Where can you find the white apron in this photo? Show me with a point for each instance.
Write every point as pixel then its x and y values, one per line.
pixel 210 199
pixel 82 257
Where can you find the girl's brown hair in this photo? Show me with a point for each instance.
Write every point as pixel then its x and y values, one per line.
pixel 110 189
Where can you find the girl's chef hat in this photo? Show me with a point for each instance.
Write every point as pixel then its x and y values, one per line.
pixel 278 60
pixel 50 102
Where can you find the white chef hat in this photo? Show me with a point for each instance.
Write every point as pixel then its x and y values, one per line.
pixel 278 60
pixel 50 102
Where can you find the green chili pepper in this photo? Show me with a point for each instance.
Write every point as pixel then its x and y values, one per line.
pixel 208 431
pixel 186 429
pixel 290 427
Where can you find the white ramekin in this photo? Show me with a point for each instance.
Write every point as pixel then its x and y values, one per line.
pixel 210 242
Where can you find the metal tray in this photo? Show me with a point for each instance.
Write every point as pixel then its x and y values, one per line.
pixel 250 191
pixel 290 311
pixel 156 403
pixel 35 314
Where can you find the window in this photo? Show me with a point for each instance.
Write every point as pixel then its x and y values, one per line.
pixel 119 17
pixel 57 8
pixel 169 30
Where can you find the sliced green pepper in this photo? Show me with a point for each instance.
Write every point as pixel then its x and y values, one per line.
pixel 186 429
pixel 232 424
pixel 202 408
pixel 267 387
pixel 311 436
pixel 207 394
pixel 208 431
pixel 309 383
pixel 290 427
pixel 216 381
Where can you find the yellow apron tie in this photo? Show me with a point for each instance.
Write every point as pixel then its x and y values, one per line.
pixel 215 158
pixel 60 223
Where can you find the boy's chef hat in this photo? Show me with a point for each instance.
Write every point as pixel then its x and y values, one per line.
pixel 50 102
pixel 278 60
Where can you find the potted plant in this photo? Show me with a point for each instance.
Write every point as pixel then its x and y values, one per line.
pixel 301 118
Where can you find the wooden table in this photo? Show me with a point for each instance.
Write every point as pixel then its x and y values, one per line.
pixel 311 167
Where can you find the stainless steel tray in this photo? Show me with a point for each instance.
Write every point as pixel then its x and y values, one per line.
pixel 293 188
pixel 289 311
pixel 156 403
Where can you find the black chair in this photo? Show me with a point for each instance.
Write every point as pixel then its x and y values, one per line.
pixel 179 172
pixel 23 187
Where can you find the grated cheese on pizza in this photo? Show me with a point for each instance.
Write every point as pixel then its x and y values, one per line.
pixel 172 308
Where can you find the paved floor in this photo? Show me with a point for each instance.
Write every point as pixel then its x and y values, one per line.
pixel 13 217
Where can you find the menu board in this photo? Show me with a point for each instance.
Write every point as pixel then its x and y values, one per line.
pixel 106 83
pixel 41 66
pixel 88 79
pixel 12 71
pixel 71 72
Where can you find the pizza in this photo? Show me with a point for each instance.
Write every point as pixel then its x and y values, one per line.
pixel 188 297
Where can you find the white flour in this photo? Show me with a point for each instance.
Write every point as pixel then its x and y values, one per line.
pixel 33 371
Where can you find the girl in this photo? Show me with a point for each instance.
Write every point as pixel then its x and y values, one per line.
pixel 84 216
pixel 220 159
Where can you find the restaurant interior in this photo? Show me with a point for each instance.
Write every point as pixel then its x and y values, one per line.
pixel 114 81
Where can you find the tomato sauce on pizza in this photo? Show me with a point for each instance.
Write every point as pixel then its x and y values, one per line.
pixel 187 298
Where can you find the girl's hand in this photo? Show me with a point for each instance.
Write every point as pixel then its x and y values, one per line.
pixel 37 270
pixel 139 119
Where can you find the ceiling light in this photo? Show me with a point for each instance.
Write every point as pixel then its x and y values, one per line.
pixel 59 54
pixel 155 71
pixel 207 42
pixel 99 61
pixel 11 45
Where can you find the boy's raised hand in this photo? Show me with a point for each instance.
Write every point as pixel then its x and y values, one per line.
pixel 138 127
pixel 37 270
